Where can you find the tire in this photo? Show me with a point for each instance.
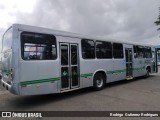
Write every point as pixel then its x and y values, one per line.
pixel 99 81
pixel 147 74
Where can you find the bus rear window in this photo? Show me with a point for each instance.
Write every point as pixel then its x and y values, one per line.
pixel 7 40
pixel 36 46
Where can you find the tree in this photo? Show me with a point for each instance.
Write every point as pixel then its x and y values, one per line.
pixel 158 21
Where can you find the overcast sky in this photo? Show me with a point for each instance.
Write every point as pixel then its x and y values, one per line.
pixel 130 20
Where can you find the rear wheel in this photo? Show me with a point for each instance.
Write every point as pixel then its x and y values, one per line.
pixel 147 73
pixel 99 81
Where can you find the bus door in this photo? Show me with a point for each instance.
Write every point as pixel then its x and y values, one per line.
pixel 157 59
pixel 129 63
pixel 69 66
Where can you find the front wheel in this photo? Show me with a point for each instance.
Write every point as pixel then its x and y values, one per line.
pixel 99 81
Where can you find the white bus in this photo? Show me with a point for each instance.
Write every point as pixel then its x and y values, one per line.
pixel 37 60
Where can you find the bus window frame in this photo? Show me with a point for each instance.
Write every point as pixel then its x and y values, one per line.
pixel 22 46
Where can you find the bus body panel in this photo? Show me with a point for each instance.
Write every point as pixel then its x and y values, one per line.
pixel 139 67
pixel 94 66
pixel 39 71
pixel 9 63
pixel 118 69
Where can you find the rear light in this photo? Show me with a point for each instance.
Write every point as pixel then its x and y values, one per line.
pixel 22 86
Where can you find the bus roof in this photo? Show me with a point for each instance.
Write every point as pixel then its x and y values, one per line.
pixel 69 34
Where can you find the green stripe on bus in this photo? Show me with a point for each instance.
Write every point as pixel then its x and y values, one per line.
pixel 49 80
pixel 39 81
pixel 124 70
pixel 82 75
pixel 86 75
pixel 141 68
pixel 116 71
pixel 6 71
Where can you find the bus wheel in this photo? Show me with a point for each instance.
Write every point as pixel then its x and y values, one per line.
pixel 99 81
pixel 147 73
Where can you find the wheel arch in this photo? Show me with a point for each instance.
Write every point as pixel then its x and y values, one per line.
pixel 100 71
pixel 149 68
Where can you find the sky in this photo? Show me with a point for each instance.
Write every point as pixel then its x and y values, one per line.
pixel 127 20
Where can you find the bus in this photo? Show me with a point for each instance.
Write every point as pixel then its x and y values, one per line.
pixel 38 60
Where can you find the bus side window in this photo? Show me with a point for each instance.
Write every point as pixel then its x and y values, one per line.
pixel 36 46
pixel 118 50
pixel 149 52
pixel 140 53
pixel 88 49
pixel 103 50
pixel 135 51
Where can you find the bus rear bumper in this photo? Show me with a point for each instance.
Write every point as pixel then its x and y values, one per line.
pixel 13 88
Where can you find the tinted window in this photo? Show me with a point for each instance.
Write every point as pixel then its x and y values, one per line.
pixel 117 50
pixel 147 52
pixel 64 54
pixel 74 55
pixel 142 52
pixel 135 51
pixel 37 46
pixel 88 49
pixel 158 55
pixel 103 49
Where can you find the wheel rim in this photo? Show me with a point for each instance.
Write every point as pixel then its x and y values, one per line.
pixel 99 82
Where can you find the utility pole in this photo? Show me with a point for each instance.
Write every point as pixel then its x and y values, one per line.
pixel 158 21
